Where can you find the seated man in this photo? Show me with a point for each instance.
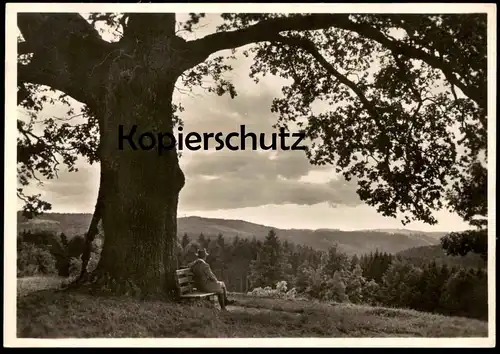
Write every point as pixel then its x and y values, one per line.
pixel 206 281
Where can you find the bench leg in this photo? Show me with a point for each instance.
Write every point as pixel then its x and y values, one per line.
pixel 202 302
pixel 210 301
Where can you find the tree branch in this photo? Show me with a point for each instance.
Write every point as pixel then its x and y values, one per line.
pixel 65 48
pixel 267 30
pixel 34 74
pixel 142 26
pixel 263 31
pixel 23 48
pixel 309 47
pixel 42 29
pixel 397 47
pixel 22 93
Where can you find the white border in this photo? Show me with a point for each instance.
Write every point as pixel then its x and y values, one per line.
pixel 10 201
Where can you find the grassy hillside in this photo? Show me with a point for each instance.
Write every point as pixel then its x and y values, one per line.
pixel 57 314
pixel 351 242
pixel 419 255
pixel 70 224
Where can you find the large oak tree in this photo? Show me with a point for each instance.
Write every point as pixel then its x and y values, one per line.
pixel 406 116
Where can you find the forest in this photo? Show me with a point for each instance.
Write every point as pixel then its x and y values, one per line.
pixel 250 265
pixel 376 75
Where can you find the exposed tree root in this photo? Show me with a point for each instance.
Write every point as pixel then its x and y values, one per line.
pixel 102 283
pixel 93 229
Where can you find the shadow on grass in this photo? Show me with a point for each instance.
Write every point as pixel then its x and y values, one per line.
pixel 51 313
pixel 57 314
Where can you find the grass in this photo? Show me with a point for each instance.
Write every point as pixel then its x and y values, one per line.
pixel 28 285
pixel 46 312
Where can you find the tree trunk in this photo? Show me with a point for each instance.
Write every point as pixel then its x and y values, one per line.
pixel 141 186
pixel 92 231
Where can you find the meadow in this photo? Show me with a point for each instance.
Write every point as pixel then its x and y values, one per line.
pixel 46 311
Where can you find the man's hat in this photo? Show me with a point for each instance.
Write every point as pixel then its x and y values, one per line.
pixel 202 253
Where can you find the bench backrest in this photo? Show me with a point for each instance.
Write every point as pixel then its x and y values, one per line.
pixel 184 280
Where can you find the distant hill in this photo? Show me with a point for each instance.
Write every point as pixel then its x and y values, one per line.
pixel 435 234
pixel 351 242
pixel 70 224
pixel 423 254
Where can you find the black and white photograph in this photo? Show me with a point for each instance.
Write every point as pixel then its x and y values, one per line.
pixel 274 175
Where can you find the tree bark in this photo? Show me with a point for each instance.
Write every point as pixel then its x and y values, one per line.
pixel 130 83
pixel 92 231
pixel 140 185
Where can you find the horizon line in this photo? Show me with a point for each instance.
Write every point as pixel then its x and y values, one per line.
pixel 383 229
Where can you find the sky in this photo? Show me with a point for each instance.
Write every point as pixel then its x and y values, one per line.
pixel 279 188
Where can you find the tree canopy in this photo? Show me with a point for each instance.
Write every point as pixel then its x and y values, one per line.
pixel 402 98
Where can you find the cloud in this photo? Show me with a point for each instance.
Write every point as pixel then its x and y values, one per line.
pixel 227 179
pixel 71 184
pixel 250 164
pixel 71 192
pixel 280 188
pixel 238 179
pixel 230 193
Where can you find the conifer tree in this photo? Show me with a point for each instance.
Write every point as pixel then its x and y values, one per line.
pixel 270 266
pixel 386 85
pixel 185 241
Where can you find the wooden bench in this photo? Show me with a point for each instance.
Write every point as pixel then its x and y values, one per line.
pixel 185 286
